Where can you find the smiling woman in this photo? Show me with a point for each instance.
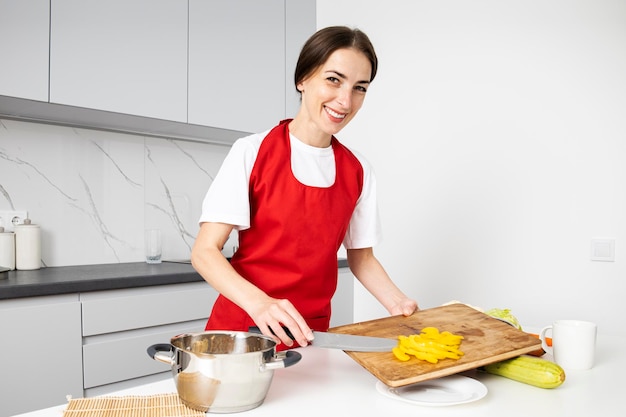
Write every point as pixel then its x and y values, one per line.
pixel 295 194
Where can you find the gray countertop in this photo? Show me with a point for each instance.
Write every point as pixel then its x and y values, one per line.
pixel 84 278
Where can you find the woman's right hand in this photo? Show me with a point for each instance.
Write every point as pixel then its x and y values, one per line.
pixel 271 314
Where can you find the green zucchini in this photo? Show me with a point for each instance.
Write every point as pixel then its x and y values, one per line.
pixel 531 370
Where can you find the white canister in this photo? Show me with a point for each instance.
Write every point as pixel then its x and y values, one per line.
pixel 7 249
pixel 27 246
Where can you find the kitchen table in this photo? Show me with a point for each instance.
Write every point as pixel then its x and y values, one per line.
pixel 328 382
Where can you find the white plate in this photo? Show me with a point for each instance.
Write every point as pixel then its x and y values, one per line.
pixel 449 390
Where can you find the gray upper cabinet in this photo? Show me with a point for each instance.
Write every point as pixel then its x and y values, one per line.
pixel 237 63
pixel 207 70
pixel 242 56
pixel 24 30
pixel 124 56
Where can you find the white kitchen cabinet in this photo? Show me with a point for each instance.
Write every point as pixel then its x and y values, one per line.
pixel 123 56
pixel 24 40
pixel 342 304
pixel 242 56
pixel 119 325
pixel 236 63
pixel 300 24
pixel 42 358
pixel 208 70
pixel 93 343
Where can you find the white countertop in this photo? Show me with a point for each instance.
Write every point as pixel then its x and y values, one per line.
pixel 327 380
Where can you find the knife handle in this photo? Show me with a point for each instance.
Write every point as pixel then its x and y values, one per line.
pixel 255 329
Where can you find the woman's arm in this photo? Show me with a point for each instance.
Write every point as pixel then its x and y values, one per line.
pixel 265 311
pixel 368 270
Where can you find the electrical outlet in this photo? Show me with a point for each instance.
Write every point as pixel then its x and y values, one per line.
pixel 10 218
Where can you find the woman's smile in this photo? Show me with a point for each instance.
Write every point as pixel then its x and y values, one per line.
pixel 335 115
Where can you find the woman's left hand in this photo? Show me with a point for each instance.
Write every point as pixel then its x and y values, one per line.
pixel 405 307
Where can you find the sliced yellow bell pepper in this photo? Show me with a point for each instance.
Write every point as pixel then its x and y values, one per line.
pixel 430 345
pixel 400 354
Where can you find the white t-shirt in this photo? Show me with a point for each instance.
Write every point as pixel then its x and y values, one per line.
pixel 227 198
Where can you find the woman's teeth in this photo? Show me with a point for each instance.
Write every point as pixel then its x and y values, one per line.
pixel 335 114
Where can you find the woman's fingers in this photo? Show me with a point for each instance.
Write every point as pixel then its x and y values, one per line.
pixel 281 320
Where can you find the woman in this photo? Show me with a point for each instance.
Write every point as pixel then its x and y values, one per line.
pixel 295 194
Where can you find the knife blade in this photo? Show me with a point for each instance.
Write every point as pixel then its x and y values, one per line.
pixel 350 342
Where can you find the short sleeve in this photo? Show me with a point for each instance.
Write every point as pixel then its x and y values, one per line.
pixel 227 200
pixel 365 230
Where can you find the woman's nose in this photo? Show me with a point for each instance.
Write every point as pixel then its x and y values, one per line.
pixel 345 98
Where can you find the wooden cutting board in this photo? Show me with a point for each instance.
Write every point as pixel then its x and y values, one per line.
pixel 486 340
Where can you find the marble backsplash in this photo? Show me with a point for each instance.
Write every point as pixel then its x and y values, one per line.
pixel 94 192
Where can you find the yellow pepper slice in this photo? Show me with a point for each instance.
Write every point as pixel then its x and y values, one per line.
pixel 426 356
pixel 400 354
pixel 430 332
pixel 430 345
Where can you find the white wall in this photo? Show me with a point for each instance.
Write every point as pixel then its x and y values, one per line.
pixel 497 130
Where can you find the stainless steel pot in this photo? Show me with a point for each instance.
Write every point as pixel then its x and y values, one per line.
pixel 222 371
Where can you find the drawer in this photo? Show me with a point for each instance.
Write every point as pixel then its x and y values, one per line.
pixel 118 357
pixel 127 309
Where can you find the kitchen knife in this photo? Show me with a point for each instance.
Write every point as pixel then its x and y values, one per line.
pixel 348 342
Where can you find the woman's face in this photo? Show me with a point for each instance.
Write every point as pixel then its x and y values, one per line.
pixel 334 93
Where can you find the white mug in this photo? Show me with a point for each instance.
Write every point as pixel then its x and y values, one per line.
pixel 573 343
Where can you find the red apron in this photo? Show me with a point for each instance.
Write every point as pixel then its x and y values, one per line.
pixel 290 249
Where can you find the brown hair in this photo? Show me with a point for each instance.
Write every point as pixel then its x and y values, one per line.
pixel 324 42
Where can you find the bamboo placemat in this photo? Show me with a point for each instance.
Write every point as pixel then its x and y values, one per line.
pixel 161 405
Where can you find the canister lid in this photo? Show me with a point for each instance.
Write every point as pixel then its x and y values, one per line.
pixel 6 234
pixel 27 224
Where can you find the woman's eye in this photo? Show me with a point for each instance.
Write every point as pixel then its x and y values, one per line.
pixel 361 89
pixel 333 79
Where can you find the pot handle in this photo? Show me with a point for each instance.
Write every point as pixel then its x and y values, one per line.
pixel 158 353
pixel 290 357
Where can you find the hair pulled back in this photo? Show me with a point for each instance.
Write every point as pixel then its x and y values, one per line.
pixel 324 42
